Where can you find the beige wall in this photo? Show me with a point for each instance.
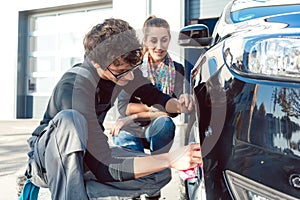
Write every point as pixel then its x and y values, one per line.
pixel 134 11
pixel 8 49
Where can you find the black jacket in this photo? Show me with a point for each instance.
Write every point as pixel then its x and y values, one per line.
pixel 124 98
pixel 83 90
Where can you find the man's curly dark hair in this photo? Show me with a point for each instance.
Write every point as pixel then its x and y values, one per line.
pixel 111 40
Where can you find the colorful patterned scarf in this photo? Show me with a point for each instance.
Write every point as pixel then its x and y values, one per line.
pixel 162 76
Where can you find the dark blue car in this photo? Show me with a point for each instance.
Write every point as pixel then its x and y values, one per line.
pixel 246 83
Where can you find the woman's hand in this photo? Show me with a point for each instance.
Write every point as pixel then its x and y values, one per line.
pixel 186 102
pixel 120 123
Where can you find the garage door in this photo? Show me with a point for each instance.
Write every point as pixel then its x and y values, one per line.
pixel 211 8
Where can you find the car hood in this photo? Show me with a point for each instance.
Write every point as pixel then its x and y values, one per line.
pixel 274 23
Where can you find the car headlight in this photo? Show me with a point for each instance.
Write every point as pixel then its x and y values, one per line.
pixel 265 57
pixel 244 188
pixel 275 57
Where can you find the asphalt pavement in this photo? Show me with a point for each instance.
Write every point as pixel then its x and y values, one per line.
pixel 13 159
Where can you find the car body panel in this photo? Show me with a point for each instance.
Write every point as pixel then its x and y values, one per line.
pixel 249 122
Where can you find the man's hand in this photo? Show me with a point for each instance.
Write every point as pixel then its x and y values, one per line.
pixel 186 157
pixel 183 158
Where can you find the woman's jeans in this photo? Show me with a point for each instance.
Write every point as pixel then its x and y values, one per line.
pixel 158 137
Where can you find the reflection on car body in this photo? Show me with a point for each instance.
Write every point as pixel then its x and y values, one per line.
pixel 247 91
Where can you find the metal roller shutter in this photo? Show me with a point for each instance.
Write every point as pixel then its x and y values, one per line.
pixel 211 8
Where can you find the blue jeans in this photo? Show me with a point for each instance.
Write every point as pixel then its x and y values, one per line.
pixel 158 137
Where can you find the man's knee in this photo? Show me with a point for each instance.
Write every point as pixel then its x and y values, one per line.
pixel 71 130
pixel 70 116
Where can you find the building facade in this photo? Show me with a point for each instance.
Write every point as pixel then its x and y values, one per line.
pixel 42 39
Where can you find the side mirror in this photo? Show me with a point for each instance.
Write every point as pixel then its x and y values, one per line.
pixel 196 35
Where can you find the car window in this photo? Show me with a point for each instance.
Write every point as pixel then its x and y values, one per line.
pixel 252 13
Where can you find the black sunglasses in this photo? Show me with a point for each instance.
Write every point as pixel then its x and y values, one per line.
pixel 118 76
